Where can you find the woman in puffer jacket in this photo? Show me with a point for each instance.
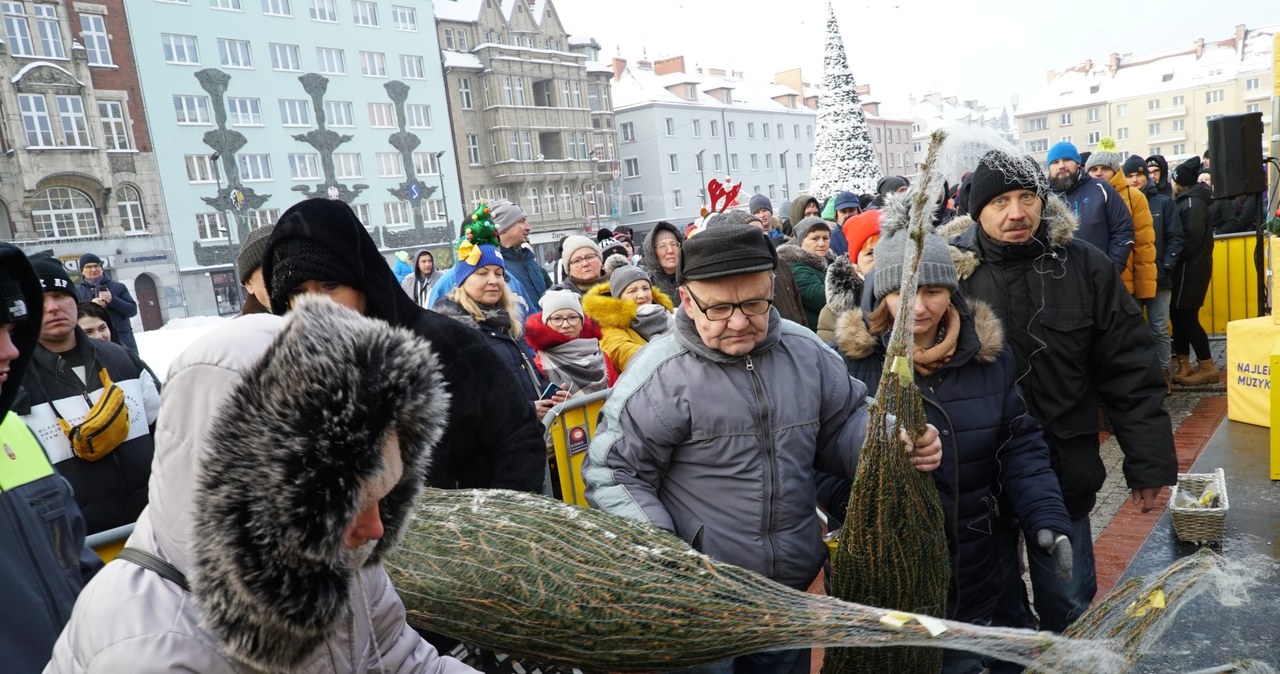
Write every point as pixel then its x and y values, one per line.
pixel 568 345
pixel 631 312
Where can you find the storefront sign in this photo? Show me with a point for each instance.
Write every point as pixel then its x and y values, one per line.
pixel 142 258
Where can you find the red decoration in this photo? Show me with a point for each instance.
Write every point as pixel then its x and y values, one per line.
pixel 721 197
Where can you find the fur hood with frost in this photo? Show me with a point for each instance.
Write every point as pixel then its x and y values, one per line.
pixel 1057 220
pixel 790 254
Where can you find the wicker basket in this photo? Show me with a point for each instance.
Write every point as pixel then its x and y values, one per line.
pixel 1200 525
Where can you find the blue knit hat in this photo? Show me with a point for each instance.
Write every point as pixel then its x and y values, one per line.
pixel 1062 150
pixel 488 255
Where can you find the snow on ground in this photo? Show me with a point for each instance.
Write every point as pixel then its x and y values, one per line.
pixel 160 347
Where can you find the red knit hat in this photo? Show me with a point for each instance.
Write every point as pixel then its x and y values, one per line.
pixel 859 228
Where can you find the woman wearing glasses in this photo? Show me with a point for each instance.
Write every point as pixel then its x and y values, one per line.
pixel 631 312
pixel 581 265
pixel 568 345
pixel 661 255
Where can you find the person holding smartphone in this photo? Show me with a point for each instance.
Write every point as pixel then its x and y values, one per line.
pixel 94 286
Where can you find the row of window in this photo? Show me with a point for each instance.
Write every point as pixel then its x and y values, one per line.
pixel 185 50
pixel 215 226
pixel 363 12
pixel 72 129
pixel 544 200
pixel 196 110
pixel 37 33
pixel 306 166
pixel 531 146
pixel 515 40
pixel 1094 114
pixel 628 129
pixel 631 165
pixel 635 200
pixel 63 212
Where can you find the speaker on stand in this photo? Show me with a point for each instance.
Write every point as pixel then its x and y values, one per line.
pixel 1235 166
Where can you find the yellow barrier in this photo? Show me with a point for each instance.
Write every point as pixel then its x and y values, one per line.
pixel 1275 411
pixel 1233 288
pixel 570 427
pixel 109 543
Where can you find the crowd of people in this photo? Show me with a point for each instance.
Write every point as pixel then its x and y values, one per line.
pixel 738 352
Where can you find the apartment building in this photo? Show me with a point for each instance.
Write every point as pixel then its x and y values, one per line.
pixel 77 172
pixel 1156 103
pixel 262 103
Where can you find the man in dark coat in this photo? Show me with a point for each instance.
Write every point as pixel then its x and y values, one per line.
pixel 1158 167
pixel 1101 215
pixel 1079 342
pixel 1191 277
pixel 111 295
pixel 493 440
pixel 1168 229
pixel 43 561
pixel 513 233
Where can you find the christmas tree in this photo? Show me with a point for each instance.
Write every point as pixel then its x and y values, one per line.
pixel 843 156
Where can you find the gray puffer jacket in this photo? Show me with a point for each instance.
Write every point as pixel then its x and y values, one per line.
pixel 722 450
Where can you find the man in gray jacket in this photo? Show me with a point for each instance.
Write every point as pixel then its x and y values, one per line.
pixel 714 432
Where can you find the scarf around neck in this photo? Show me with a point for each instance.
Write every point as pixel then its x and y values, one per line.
pixel 578 362
pixel 930 360
pixel 495 317
pixel 651 320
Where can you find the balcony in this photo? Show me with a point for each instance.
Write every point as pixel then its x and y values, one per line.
pixel 540 169
pixel 1167 113
pixel 500 117
pixel 1171 137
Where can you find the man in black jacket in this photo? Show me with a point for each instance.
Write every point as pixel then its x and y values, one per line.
pixel 1079 343
pixel 110 295
pixel 493 439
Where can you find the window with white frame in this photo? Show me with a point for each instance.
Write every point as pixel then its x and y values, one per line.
pixel 1215 96
pixel 716 162
pixel 295 112
pixel 1064 119
pixel 514 147
pixel 1253 107
pixel 1179 125
pixel 192 109
pixel 549 200
pixel 1122 109
pixel 115 132
pixel 75 125
pixel 364 13
pixel 635 203
pixel 347 165
pixel 389 165
pixel 628 131
pixel 1122 133
pixel 566 199
pixel 254 167
pixel 799 160
pixel 531 200
pixel 1179 101
pixel 418 115
pixel 677 199
pixel 261 217
pixel 473 149
pixel 631 167
pixel 1153 129
pixel 461 35
pixel 696 126
pixel 304 166
pixel 50 31
pixel 464 92
pixel 285 57
pixel 1154 149
pixel 396 213
pixel 1252 84
pixel 670 124
pixel 380 116
pixel 277 8
pixel 62 212
pixel 411 67
pixel 209 226
pixel 1035 124
pixel 755 162
pixel 232 5
pixel 808 130
pixel 180 49
pixel 771 191
pixel 129 208
pixel 526 144
pixel 244 111
pixel 448 38
pixel 373 64
pixel 733 161
pixel 673 163
pixel 715 129
pixel 331 61
pixel 751 129
pixel 1038 145
pixel 1065 139
pixel 340 113
pixel 35 120
pixel 1179 148
pixel 425 164
pixel 235 53
pixel 404 18
pixel 731 129
pixel 433 210
pixel 323 10
pixel 764 130
pixel 1153 104
pixel 362 213
pixel 768 160
pixel 1095 114
pixel 1093 137
pixel 506 90
pixel 199 168
pixel 17 30
pixel 97 46
pixel 582 144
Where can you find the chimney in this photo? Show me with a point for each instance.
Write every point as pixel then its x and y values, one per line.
pixel 675 64
pixel 619 65
pixel 1198 43
pixel 1088 66
pixel 1113 63
pixel 1241 31
pixel 1050 76
pixel 644 64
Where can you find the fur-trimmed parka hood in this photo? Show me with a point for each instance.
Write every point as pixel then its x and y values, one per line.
pixel 844 285
pixel 541 337
pixel 614 313
pixel 855 341
pixel 1057 229
pixel 281 473
pixel 790 254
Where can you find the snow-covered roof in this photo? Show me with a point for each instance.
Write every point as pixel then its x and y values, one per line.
pixel 576 41
pixel 458 10
pixel 598 67
pixel 1136 75
pixel 639 86
pixel 37 64
pixel 464 60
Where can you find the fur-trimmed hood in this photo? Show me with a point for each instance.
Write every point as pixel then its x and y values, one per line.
pixel 1057 228
pixel 855 341
pixel 541 337
pixel 844 285
pixel 280 474
pixel 791 253
pixel 614 313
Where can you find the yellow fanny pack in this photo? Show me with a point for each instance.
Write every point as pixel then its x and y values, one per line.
pixel 105 427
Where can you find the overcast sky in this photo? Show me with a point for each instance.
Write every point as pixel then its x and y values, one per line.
pixel 901 47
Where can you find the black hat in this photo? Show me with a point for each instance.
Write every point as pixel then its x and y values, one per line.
pixel 1135 164
pixel 53 276
pixel 726 251
pixel 13 302
pixel 1188 172
pixel 997 173
pixel 90 258
pixel 296 261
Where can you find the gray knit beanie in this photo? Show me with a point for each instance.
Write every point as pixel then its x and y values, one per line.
pixel 733 217
pixel 1111 160
pixel 252 249
pixel 936 267
pixel 802 228
pixel 505 215
pixel 625 276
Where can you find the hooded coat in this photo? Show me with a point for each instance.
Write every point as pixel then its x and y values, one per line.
pixel 619 341
pixel 1195 267
pixel 1164 186
pixel 798 205
pixel 418 285
pixel 991 447
pixel 480 450
pixel 1140 273
pixel 649 261
pixel 252 504
pixel 542 338
pixel 43 561
pixel 810 272
pixel 1079 342
pixel 1167 225
pixel 533 281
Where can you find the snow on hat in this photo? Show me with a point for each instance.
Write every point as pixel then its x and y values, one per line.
pixel 555 300
pixel 935 269
pixel 997 173
pixel 1107 156
pixel 1061 150
pixel 759 201
pixel 847 200
pixel 52 274
pixel 625 276
pixel 802 228
pixel 1134 164
pixel 1187 172
pixel 505 214
pixel 726 251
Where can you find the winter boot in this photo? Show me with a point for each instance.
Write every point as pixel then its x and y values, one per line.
pixel 1205 373
pixel 1181 369
pixel 1168 382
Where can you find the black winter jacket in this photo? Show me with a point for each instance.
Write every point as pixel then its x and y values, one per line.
pixel 1195 269
pixel 1079 342
pixel 121 308
pixel 481 448
pixel 991 447
pixel 1168 227
pixel 513 353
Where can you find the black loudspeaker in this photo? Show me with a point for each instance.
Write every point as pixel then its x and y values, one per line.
pixel 1235 155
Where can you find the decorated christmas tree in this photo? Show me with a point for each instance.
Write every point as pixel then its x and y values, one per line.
pixel 843 156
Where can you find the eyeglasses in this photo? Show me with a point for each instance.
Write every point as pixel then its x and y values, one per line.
pixel 722 312
pixel 668 245
pixel 579 261
pixel 560 321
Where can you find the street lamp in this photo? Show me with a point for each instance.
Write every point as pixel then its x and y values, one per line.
pixel 786 175
pixel 702 195
pixel 221 212
pixel 444 203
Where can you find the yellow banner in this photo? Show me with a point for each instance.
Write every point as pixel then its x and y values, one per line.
pixel 1250 343
pixel 1275 67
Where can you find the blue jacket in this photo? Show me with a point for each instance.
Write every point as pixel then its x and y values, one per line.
pixel 1104 219
pixel 402 270
pixel 121 308
pixel 993 449
pixel 522 265
pixel 1168 225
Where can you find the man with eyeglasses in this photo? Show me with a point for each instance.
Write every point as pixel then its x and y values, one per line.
pixel 714 432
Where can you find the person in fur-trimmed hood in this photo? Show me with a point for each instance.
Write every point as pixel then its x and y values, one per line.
pixel 991 446
pixel 631 311
pixel 1079 342
pixel 277 509
pixel 660 255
